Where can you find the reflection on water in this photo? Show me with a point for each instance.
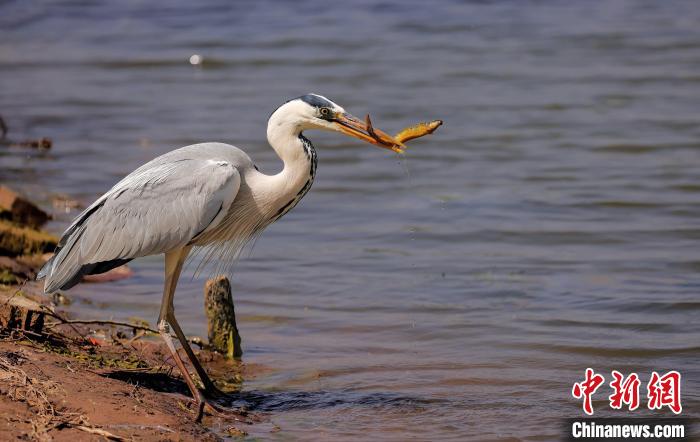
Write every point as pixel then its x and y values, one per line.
pixel 456 293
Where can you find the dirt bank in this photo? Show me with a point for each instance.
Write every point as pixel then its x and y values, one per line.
pixel 96 381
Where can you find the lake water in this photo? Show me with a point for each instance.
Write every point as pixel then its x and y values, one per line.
pixel 455 293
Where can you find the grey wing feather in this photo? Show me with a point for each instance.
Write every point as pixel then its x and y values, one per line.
pixel 158 207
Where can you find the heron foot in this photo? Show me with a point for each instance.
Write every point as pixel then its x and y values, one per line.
pixel 208 405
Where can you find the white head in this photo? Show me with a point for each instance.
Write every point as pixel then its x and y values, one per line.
pixel 314 111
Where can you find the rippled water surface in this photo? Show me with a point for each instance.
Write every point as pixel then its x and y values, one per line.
pixel 455 293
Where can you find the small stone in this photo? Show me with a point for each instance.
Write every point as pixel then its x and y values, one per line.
pixel 235 432
pixel 19 210
pixel 59 298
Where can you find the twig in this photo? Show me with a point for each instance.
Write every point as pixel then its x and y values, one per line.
pixel 71 322
pixel 103 322
pixel 31 391
pixel 99 432
pixel 42 143
pixel 53 314
pixel 19 289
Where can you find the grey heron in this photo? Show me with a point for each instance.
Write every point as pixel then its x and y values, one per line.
pixel 204 195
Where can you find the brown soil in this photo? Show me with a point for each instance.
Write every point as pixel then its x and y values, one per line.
pixel 101 382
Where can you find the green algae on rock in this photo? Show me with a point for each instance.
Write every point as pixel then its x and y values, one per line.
pixel 16 240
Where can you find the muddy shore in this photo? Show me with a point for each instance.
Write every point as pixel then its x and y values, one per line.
pixel 91 381
pixel 95 381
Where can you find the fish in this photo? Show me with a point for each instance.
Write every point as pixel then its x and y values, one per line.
pixel 408 133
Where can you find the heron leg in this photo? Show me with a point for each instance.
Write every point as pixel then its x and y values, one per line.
pixel 209 387
pixel 173 266
pixel 164 331
pixel 174 260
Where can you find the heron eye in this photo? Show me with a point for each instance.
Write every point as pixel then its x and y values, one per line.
pixel 325 111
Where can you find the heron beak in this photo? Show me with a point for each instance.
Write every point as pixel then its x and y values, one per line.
pixel 350 125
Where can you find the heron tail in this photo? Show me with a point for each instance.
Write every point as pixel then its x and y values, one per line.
pixel 65 268
pixel 62 271
pixel 45 269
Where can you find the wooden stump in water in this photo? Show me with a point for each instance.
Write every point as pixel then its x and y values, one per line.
pixel 221 317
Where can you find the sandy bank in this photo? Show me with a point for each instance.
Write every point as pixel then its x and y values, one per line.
pixel 87 382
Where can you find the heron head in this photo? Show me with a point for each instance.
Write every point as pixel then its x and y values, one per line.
pixel 317 112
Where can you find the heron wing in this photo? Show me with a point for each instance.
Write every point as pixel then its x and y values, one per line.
pixel 158 207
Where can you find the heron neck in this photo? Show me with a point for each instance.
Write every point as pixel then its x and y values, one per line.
pixel 299 158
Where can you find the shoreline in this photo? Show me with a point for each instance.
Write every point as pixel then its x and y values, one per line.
pixel 95 381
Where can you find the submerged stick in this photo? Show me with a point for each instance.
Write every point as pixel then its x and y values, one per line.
pixel 221 318
pixel 3 128
pixel 40 143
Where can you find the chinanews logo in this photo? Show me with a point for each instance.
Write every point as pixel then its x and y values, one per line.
pixel 661 393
